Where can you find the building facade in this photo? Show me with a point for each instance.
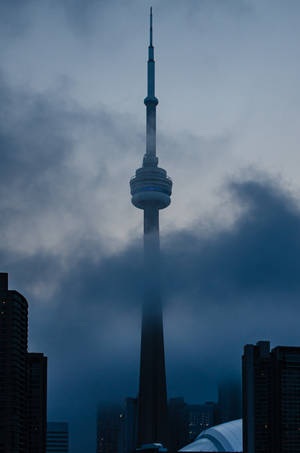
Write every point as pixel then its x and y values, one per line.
pixel 200 417
pixel 178 423
pixel 37 402
pixel 23 379
pixel 129 426
pixel 271 399
pixel 57 437
pixel 187 421
pixel 13 369
pixel 110 428
pixel 226 437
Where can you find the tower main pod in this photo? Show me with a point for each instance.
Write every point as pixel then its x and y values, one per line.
pixel 151 190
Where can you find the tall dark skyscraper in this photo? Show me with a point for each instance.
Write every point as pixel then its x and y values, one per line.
pixel 109 428
pixel 151 190
pixel 271 399
pixel 178 424
pixel 13 369
pixel 129 425
pixel 23 379
pixel 116 427
pixel 36 402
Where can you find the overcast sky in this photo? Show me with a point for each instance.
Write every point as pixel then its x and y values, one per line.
pixel 72 132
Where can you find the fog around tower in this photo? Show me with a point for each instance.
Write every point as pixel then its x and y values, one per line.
pixel 72 133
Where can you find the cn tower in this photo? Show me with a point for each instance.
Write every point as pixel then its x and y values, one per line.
pixel 151 190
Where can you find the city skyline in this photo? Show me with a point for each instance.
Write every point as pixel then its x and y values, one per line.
pixel 72 82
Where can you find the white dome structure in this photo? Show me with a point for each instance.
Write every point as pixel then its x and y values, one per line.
pixel 225 437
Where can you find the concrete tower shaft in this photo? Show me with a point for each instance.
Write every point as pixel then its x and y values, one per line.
pixel 151 191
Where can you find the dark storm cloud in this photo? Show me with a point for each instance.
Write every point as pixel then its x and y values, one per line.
pixel 237 285
pixel 260 253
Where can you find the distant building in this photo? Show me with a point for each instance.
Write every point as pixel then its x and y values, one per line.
pixel 109 428
pixel 36 402
pixel 187 421
pixel 271 399
pixel 57 437
pixel 117 427
pixel 229 400
pixel 129 426
pixel 178 424
pixel 199 417
pixel 13 375
pixel 225 438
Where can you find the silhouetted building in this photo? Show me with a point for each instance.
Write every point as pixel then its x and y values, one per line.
pixel 13 375
pixel 57 437
pixel 151 190
pixel 36 402
pixel 129 426
pixel 109 428
pixel 271 399
pixel 229 400
pixel 199 418
pixel 225 438
pixel 178 424
pixel 23 379
pixel 187 421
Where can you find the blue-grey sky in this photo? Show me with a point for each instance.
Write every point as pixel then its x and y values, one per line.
pixel 72 83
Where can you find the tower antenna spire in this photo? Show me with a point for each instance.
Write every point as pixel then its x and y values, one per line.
pixel 151 28
pixel 151 102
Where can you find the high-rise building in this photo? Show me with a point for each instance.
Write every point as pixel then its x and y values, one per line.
pixel 199 418
pixel 187 421
pixel 109 428
pixel 13 374
pixel 129 425
pixel 57 437
pixel 23 379
pixel 36 402
pixel 271 399
pixel 116 427
pixel 151 190
pixel 178 424
pixel 229 400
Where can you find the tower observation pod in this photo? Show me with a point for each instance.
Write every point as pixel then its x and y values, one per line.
pixel 151 190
